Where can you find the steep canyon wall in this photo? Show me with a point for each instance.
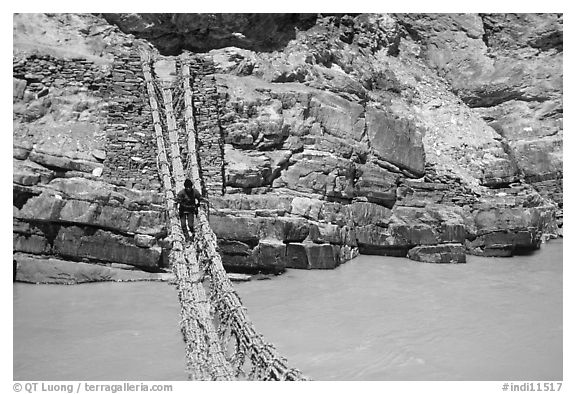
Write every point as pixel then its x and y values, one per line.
pixel 427 136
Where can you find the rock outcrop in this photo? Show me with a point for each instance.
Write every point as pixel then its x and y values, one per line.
pixel 446 253
pixel 426 136
pixel 90 220
pixel 508 69
pixel 35 269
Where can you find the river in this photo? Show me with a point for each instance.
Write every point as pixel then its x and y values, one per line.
pixel 373 318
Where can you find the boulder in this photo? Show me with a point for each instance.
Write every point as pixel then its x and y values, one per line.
pixel 505 243
pixel 34 269
pixel 268 256
pixel 99 154
pixel 446 253
pixel 377 184
pixel 96 172
pixel 408 227
pixel 74 242
pixel 308 255
pixel 396 140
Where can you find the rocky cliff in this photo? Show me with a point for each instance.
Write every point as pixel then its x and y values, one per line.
pixel 426 136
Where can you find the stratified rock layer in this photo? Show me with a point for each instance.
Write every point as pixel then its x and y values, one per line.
pixel 448 253
pixel 404 135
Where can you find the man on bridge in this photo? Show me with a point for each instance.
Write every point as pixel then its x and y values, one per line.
pixel 188 200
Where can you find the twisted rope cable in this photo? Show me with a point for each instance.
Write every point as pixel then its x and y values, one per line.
pixel 268 364
pixel 206 345
pixel 205 358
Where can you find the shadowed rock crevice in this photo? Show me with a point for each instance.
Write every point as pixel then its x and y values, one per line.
pixel 553 40
pixel 21 197
pixel 171 34
pixel 513 31
pixel 495 98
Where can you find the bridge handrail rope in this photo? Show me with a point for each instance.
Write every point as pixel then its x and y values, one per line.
pixel 221 340
pixel 190 129
pixel 205 358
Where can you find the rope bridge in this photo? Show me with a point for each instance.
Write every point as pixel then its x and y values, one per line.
pixel 221 341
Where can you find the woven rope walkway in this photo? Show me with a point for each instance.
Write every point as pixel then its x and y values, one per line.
pixel 221 341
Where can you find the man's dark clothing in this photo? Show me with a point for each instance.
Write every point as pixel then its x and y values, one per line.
pixel 188 201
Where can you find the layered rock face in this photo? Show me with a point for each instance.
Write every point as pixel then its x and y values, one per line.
pixel 427 136
pixel 508 69
pixel 355 113
pixel 85 185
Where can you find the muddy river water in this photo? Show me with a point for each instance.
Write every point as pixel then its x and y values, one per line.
pixel 373 318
